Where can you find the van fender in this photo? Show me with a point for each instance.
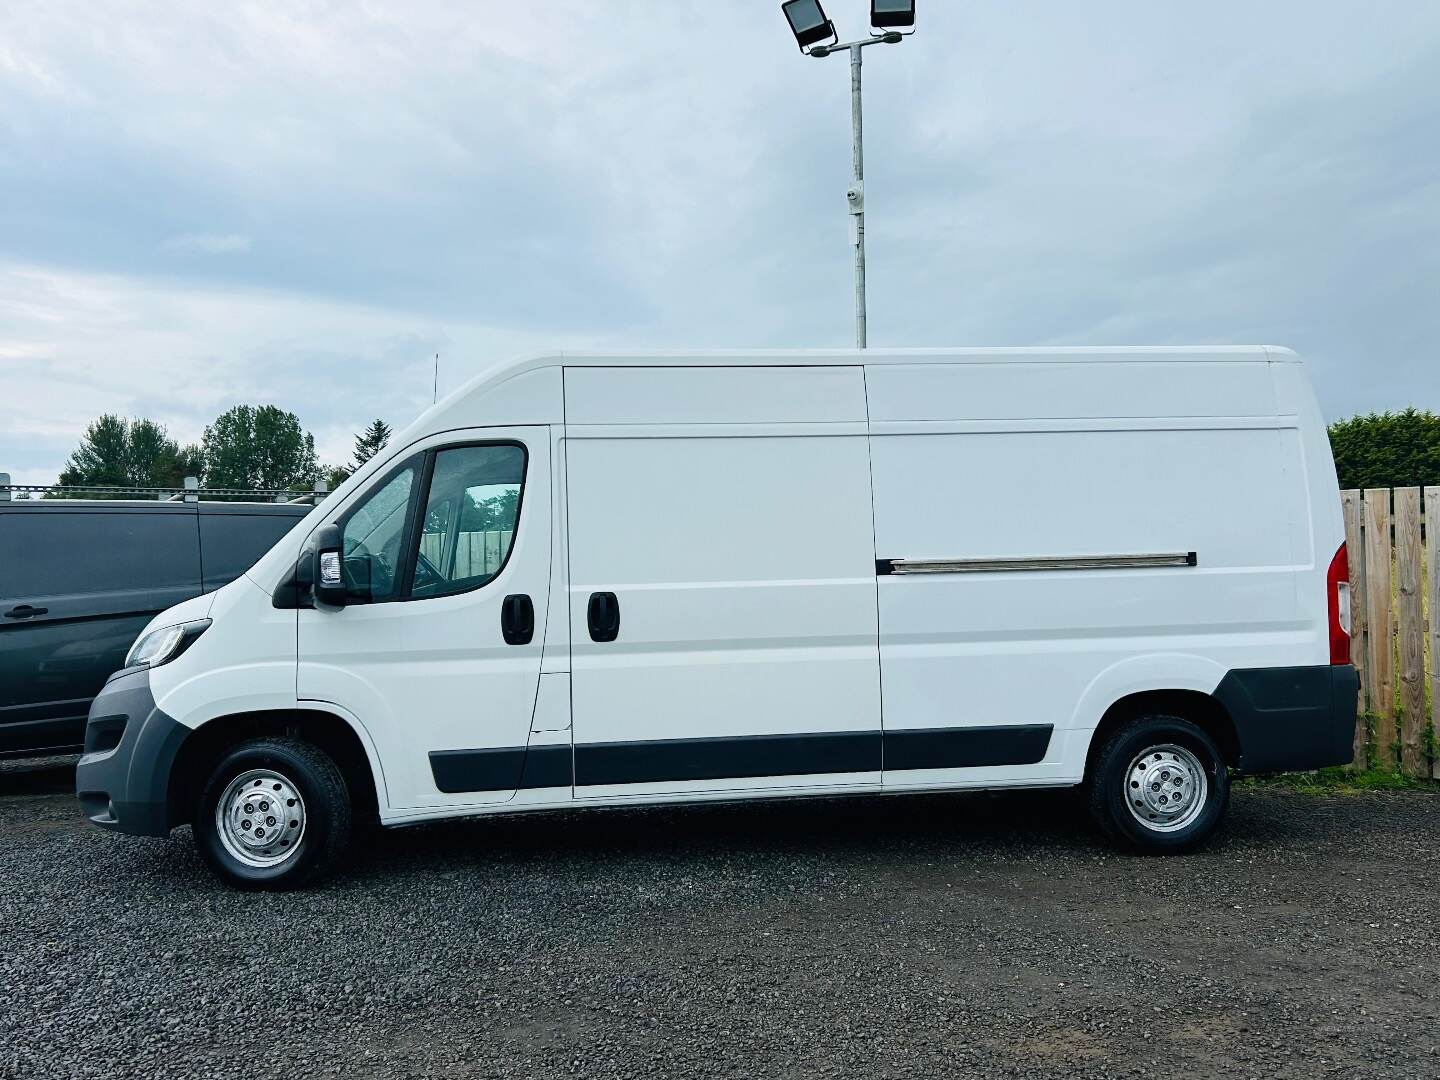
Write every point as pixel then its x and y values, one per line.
pixel 246 706
pixel 214 695
pixel 1139 674
pixel 372 756
pixel 215 692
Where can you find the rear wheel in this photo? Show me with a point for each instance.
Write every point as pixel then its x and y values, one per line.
pixel 1159 784
pixel 274 814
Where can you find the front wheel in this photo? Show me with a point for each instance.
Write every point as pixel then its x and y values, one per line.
pixel 274 814
pixel 1159 784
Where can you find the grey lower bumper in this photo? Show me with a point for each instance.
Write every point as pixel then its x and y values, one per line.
pixel 123 779
pixel 1292 719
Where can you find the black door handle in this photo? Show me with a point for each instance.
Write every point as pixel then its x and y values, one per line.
pixel 517 619
pixel 25 611
pixel 604 616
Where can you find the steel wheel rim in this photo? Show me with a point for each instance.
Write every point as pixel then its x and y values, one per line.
pixel 260 818
pixel 1166 788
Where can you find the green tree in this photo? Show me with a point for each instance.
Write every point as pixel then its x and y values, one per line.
pixel 335 475
pixel 496 512
pixel 368 443
pixel 1387 449
pixel 259 447
pixel 115 452
pixel 371 441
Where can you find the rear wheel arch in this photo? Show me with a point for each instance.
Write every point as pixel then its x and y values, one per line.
pixel 331 733
pixel 1202 710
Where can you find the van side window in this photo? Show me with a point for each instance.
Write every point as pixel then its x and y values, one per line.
pixel 374 535
pixel 50 554
pixel 230 543
pixel 469 521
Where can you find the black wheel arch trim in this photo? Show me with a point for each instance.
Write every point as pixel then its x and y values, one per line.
pixel 1291 719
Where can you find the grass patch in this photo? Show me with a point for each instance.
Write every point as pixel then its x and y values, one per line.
pixel 1340 780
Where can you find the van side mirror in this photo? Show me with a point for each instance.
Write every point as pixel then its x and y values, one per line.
pixel 328 573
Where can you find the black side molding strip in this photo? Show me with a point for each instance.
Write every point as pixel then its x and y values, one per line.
pixel 506 768
pixel 963 748
pixel 744 756
pixel 740 757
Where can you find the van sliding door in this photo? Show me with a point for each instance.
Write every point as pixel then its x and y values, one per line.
pixel 722 596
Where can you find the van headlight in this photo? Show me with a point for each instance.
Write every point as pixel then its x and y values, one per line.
pixel 163 645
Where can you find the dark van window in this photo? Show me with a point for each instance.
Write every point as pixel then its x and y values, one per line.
pixel 58 554
pixel 231 543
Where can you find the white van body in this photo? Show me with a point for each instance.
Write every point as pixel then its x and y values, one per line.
pixel 835 572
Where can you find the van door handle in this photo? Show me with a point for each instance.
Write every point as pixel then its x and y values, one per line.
pixel 517 619
pixel 25 611
pixel 604 616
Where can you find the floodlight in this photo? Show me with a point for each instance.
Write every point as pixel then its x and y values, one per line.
pixel 815 34
pixel 885 13
pixel 808 22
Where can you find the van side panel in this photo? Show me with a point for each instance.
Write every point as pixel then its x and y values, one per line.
pixel 727 512
pixel 1323 524
pixel 1095 386
pixel 714 395
pixel 82 581
pixel 1006 648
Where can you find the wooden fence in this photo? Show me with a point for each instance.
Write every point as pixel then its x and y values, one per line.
pixel 1395 625
pixel 476 553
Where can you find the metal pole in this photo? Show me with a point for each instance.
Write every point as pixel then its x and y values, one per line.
pixel 856 193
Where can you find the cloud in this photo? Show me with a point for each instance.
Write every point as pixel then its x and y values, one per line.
pixel 379 181
pixel 75 345
pixel 209 243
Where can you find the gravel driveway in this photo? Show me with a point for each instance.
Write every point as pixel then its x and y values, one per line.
pixel 970 935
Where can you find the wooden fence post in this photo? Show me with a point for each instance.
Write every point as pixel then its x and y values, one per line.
pixel 1380 655
pixel 1412 631
pixel 1432 568
pixel 1354 511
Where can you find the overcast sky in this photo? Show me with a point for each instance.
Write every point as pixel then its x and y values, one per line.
pixel 301 202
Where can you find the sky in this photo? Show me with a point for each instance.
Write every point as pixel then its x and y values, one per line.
pixel 300 203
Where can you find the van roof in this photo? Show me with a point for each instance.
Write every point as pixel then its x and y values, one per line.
pixel 502 372
pixel 499 373
pixel 821 357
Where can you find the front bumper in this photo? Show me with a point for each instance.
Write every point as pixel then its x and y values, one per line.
pixel 123 779
pixel 1292 719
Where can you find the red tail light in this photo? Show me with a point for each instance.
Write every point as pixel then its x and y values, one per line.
pixel 1337 596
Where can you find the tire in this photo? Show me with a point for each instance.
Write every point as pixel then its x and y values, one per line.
pixel 1145 769
pixel 285 819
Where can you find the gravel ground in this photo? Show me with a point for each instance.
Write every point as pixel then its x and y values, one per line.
pixel 970 935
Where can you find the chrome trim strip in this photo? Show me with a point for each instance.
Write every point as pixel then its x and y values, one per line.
pixel 1055 562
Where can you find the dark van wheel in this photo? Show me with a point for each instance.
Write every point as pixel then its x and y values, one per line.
pixel 274 814
pixel 1159 784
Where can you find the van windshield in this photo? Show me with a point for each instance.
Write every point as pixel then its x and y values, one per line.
pixel 372 538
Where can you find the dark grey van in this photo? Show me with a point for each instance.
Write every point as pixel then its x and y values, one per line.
pixel 80 579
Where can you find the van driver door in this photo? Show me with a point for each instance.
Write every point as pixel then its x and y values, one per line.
pixel 437 651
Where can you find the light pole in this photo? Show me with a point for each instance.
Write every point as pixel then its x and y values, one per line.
pixel 815 34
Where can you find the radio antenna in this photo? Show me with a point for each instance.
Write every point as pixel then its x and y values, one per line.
pixel 435 386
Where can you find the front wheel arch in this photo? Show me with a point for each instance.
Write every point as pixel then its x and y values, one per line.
pixel 206 745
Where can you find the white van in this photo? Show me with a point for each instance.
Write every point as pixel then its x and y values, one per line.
pixel 600 580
